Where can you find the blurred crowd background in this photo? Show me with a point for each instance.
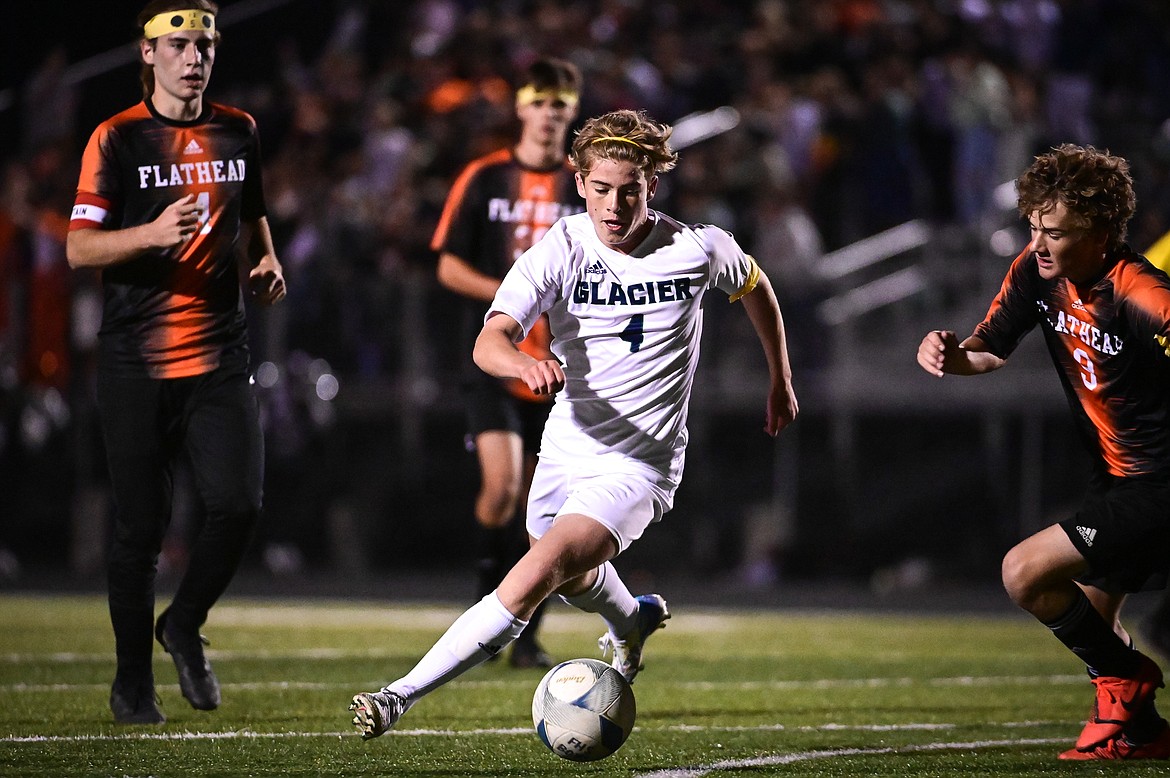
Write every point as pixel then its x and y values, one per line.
pixel 856 118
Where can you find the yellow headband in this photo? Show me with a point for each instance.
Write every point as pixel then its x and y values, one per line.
pixel 530 94
pixel 618 138
pixel 174 21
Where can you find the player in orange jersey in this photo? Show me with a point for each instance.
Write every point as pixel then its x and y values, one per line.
pixel 1105 315
pixel 500 205
pixel 169 200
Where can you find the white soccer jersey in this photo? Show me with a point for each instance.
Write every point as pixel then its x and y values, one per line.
pixel 626 328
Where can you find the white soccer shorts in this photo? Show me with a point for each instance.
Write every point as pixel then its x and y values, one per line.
pixel 625 503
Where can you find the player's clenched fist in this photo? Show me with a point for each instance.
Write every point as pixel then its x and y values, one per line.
pixel 266 281
pixel 934 350
pixel 178 222
pixel 544 377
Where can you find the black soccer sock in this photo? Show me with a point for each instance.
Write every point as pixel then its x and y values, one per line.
pixel 492 558
pixel 133 640
pixel 1086 634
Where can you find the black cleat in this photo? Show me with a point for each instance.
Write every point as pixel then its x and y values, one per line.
pixel 528 655
pixel 197 681
pixel 134 702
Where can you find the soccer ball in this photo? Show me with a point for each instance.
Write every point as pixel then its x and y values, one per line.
pixel 583 710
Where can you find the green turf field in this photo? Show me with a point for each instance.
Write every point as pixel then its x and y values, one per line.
pixel 724 694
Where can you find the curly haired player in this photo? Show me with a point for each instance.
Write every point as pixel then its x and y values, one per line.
pixel 1105 315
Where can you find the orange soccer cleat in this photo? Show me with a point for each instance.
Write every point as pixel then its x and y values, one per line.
pixel 1118 701
pixel 1122 748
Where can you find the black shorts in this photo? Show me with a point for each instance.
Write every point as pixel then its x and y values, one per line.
pixel 490 406
pixel 1123 531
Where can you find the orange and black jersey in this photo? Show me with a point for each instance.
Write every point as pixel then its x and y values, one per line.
pixel 177 312
pixel 495 211
pixel 498 208
pixel 1109 342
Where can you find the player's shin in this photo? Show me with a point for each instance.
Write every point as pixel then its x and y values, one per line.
pixel 483 630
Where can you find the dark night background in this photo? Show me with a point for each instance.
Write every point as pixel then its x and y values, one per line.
pixel 857 117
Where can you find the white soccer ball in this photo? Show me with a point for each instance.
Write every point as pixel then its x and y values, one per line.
pixel 583 710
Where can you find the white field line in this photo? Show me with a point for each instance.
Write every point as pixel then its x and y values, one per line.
pixel 702 686
pixel 247 734
pixel 75 657
pixel 559 618
pixel 330 654
pixel 806 756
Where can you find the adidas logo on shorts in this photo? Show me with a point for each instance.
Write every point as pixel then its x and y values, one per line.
pixel 1089 534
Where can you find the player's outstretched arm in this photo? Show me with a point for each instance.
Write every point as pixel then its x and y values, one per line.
pixel 496 354
pixel 940 352
pixel 764 313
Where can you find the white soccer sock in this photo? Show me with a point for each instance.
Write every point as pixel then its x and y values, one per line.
pixel 609 598
pixel 482 631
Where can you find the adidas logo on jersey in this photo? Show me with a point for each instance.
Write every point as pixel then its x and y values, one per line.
pixel 193 148
pixel 596 269
pixel 1088 534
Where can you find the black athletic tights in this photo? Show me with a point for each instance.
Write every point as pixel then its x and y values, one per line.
pixel 147 424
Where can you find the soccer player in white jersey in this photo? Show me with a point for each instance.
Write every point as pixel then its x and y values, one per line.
pixel 623 287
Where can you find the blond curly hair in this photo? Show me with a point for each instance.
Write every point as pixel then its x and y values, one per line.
pixel 624 136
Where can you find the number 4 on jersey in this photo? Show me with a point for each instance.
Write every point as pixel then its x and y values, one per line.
pixel 633 334
pixel 203 200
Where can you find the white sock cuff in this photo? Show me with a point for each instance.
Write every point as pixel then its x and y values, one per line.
pixel 587 600
pixel 610 599
pixel 493 599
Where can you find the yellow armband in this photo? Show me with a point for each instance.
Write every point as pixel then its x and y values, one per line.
pixel 750 284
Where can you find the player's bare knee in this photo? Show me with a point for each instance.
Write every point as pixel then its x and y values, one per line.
pixel 492 519
pixel 1019 579
pixel 1028 578
pixel 497 504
